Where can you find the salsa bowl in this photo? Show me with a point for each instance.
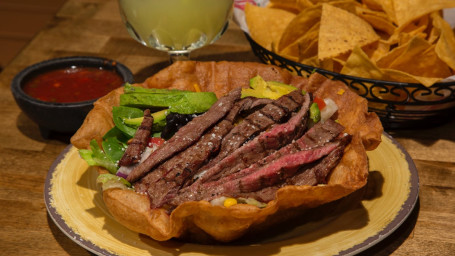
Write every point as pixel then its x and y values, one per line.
pixel 38 92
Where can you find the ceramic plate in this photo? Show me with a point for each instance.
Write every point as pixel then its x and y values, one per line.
pixel 74 202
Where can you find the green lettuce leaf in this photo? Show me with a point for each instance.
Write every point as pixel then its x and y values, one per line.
pixel 95 156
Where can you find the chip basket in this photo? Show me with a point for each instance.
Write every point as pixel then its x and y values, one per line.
pixel 398 105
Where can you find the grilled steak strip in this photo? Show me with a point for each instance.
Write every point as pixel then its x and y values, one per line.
pixel 266 176
pixel 137 145
pixel 195 153
pixel 182 166
pixel 186 135
pixel 312 175
pixel 260 120
pixel 318 173
pixel 317 136
pixel 259 102
pixel 260 146
pixel 170 175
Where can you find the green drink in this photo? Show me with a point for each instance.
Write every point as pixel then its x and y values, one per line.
pixel 176 26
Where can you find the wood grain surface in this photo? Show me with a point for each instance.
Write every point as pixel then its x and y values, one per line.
pixel 94 28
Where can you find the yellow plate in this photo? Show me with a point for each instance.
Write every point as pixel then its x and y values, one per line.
pixel 74 202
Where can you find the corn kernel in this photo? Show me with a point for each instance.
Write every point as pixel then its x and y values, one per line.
pixel 340 92
pixel 229 202
pixel 196 88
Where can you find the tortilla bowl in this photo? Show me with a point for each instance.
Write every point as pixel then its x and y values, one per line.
pixel 204 222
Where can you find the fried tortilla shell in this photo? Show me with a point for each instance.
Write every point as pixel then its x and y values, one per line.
pixel 204 222
pixel 98 121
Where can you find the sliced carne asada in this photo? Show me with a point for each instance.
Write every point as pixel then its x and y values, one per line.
pixel 259 102
pixel 275 112
pixel 317 136
pixel 261 146
pixel 269 175
pixel 187 135
pixel 180 167
pixel 139 142
pixel 321 133
pixel 317 174
pixel 312 175
pixel 170 175
pixel 280 169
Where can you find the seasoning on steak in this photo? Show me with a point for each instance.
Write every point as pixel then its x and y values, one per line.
pixel 318 173
pixel 187 135
pixel 312 175
pixel 170 175
pixel 269 175
pixel 317 136
pixel 137 145
pixel 275 112
pixel 261 146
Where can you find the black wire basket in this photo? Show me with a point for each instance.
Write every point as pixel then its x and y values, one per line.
pixel 398 105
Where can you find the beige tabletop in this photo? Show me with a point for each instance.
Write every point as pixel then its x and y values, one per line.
pixel 94 28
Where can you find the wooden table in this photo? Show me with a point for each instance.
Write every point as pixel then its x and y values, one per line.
pixel 93 27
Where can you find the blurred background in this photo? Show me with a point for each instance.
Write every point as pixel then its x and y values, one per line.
pixel 20 20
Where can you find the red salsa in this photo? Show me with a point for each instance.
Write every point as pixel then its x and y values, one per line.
pixel 73 84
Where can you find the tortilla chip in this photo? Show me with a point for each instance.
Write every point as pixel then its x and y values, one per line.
pixel 301 47
pixel 405 38
pixel 312 61
pixel 301 23
pixel 433 35
pixel 266 24
pixel 360 65
pixel 417 27
pixel 389 8
pixel 403 58
pixel 377 50
pixel 341 31
pixel 445 46
pixel 373 5
pixel 311 50
pixel 409 10
pixel 378 20
pixel 400 76
pixel 386 60
pixel 294 6
pixel 347 5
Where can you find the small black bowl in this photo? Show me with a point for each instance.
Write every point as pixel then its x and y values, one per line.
pixel 60 117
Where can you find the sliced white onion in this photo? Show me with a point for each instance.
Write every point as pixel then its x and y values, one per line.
pixel 218 201
pixel 329 109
